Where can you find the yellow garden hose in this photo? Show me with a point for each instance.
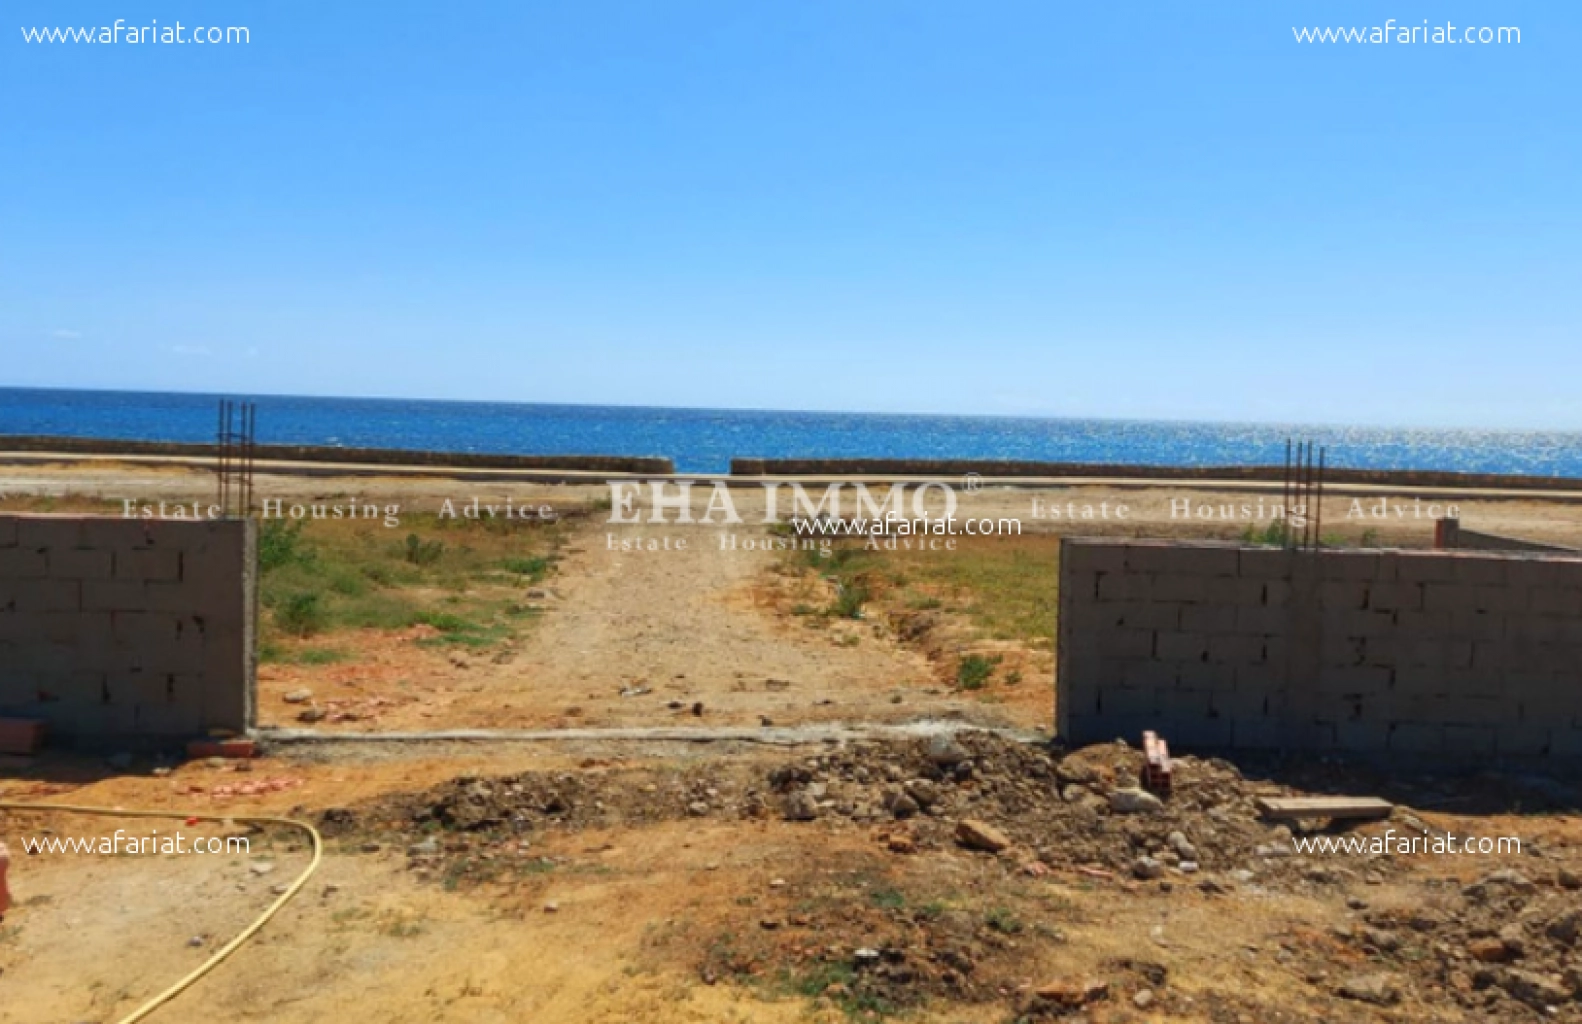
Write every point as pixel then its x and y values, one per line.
pixel 214 961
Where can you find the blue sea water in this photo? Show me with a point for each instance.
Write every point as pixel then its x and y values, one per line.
pixel 705 440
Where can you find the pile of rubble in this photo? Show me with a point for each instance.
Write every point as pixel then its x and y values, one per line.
pixel 1509 944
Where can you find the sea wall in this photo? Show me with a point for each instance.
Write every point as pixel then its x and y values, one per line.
pixel 954 469
pixel 118 631
pixel 1458 658
pixel 29 444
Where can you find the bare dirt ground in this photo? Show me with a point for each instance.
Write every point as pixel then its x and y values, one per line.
pixel 600 881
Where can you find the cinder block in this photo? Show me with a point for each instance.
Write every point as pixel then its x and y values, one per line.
pixel 1263 621
pixel 1359 623
pixel 1241 704
pixel 50 596
pixel 1349 565
pixel 1143 702
pixel 41 532
pixel 161 565
pixel 1261 679
pixel 1200 675
pixel 1362 736
pixel 1425 567
pixel 1191 733
pixel 1235 649
pixel 1150 675
pixel 1482 569
pixel 1336 648
pixel 1182 646
pixel 1126 643
pixel 1395 597
pixel 1477 625
pixel 170 721
pixel 1154 617
pixel 1118 587
pixel 1563 601
pixel 1416 738
pixel 1255 733
pixel 1208 618
pixel 1469 740
pixel 1178 587
pixel 1505 600
pixel 1086 555
pixel 113 596
pixel 1267 564
pixel 1359 680
pixel 1522 740
pixel 1177 707
pixel 1343 595
pixel 19 563
pixel 79 563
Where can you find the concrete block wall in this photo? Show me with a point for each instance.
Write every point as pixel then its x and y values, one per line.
pixel 1444 656
pixel 123 630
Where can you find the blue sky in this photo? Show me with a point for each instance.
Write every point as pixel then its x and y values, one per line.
pixel 1129 210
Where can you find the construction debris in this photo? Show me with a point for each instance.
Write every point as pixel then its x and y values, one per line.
pixel 1156 769
pixel 1296 808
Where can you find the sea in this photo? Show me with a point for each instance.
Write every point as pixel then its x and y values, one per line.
pixel 705 440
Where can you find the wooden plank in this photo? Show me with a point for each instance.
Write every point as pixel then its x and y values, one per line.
pixel 1369 807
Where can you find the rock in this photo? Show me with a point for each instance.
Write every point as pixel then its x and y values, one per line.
pixel 1381 939
pixel 298 696
pixel 1505 878
pixel 261 867
pixel 946 752
pixel 424 848
pixel 1072 992
pixel 1183 847
pixel 1135 801
pixel 866 957
pixel 1073 793
pixel 1566 927
pixel 313 714
pixel 698 809
pixel 800 806
pixel 1568 879
pixel 1147 869
pixel 900 804
pixel 924 792
pixel 1143 999
pixel 552 908
pixel 1075 773
pixel 1375 989
pixel 1536 990
pixel 1189 867
pixel 979 835
pixel 1488 951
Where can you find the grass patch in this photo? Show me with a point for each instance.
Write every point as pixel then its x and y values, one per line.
pixel 975 670
pixel 462 578
pixel 1007 586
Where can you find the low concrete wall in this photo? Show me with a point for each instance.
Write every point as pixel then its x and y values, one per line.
pixel 32 444
pixel 1453 657
pixel 127 631
pixel 1449 535
pixel 953 469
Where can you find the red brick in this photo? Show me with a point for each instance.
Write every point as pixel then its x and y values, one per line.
pixel 198 749
pixel 21 735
